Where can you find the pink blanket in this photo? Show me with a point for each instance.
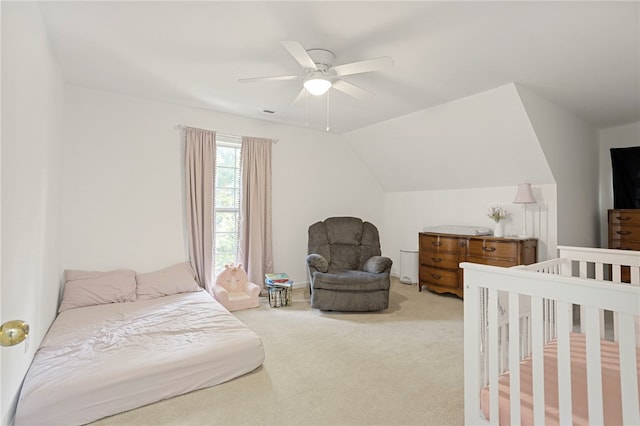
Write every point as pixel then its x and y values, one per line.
pixel 610 385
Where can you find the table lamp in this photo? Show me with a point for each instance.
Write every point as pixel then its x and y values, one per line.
pixel 524 196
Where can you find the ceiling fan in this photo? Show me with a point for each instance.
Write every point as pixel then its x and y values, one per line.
pixel 320 73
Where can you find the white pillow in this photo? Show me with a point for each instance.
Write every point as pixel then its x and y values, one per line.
pixel 87 288
pixel 171 280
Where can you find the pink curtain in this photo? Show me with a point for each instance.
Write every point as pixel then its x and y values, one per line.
pixel 255 251
pixel 200 160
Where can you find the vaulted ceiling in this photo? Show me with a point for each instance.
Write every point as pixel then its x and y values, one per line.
pixel 584 56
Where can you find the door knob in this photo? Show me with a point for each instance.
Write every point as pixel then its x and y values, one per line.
pixel 13 332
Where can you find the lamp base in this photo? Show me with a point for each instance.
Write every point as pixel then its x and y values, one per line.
pixel 524 233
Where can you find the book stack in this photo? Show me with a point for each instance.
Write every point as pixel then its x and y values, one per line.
pixel 279 285
pixel 277 278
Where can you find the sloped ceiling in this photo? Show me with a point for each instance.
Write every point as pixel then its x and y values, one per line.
pixel 485 140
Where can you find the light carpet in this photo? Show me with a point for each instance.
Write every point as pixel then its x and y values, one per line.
pixel 400 366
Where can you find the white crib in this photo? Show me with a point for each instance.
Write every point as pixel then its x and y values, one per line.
pixel 544 309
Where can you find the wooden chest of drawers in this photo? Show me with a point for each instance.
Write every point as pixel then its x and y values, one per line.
pixel 440 255
pixel 624 232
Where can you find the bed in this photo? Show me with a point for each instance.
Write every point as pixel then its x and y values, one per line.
pixel 105 358
pixel 555 342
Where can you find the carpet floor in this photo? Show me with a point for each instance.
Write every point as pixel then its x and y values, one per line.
pixel 400 366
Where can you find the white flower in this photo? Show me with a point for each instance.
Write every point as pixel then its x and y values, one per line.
pixel 498 213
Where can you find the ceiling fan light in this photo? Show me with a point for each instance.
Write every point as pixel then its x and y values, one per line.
pixel 317 86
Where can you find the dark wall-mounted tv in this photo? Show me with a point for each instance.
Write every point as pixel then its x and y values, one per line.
pixel 625 163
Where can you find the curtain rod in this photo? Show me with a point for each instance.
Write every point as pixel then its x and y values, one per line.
pixel 182 127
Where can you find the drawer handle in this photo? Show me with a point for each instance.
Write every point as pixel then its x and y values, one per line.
pixel 623 217
pixel 489 249
pixel 436 243
pixel 623 232
pixel 436 276
pixel 436 259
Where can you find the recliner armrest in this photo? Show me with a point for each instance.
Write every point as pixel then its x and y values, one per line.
pixel 317 261
pixel 377 264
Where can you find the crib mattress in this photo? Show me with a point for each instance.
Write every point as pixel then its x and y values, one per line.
pixel 610 385
pixel 101 360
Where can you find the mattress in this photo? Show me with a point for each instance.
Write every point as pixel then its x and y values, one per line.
pixel 612 406
pixel 101 360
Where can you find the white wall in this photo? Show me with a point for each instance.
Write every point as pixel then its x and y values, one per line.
pixel 570 145
pixel 32 93
pixel 624 136
pixel 481 141
pixel 123 199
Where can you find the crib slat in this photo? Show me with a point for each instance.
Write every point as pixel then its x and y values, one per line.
pixel 494 371
pixel 583 269
pixel 537 355
pixel 504 349
pixel 594 362
pixel 514 357
pixel 615 269
pixel 599 271
pixel 635 275
pixel 564 364
pixel 472 333
pixel 628 370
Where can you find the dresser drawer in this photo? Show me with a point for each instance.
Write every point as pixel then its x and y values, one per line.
pixel 625 232
pixel 624 217
pixel 624 245
pixel 440 259
pixel 439 243
pixel 491 249
pixel 439 277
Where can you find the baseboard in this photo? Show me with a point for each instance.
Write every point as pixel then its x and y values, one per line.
pixel 303 284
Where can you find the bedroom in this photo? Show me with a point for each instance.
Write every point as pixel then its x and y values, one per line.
pixel 61 209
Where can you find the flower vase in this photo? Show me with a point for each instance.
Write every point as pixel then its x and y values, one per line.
pixel 499 231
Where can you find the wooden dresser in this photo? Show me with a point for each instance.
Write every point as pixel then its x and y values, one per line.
pixel 624 232
pixel 440 255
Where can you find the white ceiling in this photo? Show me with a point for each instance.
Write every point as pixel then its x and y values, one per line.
pixel 584 56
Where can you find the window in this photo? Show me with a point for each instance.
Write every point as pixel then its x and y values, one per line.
pixel 226 209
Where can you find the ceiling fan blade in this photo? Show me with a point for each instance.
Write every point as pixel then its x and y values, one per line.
pixel 363 66
pixel 300 54
pixel 302 95
pixel 352 90
pixel 275 78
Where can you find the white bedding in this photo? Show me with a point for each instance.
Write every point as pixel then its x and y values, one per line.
pixel 100 360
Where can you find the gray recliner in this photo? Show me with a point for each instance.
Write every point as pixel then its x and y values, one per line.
pixel 347 271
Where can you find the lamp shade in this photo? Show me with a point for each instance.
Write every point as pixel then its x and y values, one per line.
pixel 317 86
pixel 524 194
